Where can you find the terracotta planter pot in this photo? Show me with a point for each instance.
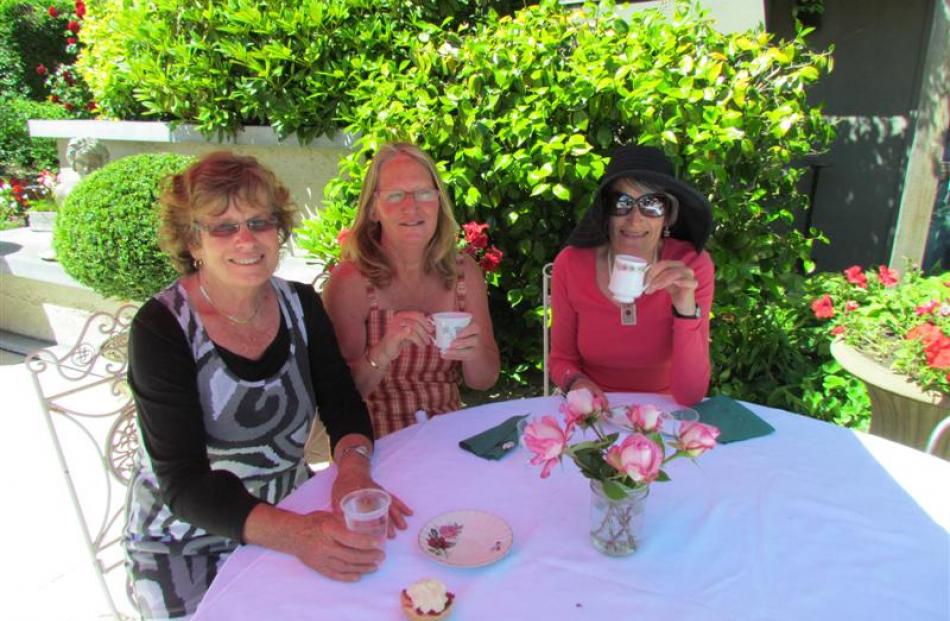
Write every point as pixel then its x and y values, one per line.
pixel 900 409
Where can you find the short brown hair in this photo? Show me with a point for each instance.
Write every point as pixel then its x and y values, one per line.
pixel 208 186
pixel 362 244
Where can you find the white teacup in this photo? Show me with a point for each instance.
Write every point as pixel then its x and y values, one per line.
pixel 447 327
pixel 626 279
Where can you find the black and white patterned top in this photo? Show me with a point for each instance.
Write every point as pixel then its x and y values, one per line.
pixel 221 433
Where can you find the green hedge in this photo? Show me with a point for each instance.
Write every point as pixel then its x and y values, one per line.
pixel 220 65
pixel 20 154
pixel 28 37
pixel 521 113
pixel 106 233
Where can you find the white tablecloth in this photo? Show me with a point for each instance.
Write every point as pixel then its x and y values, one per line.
pixel 810 522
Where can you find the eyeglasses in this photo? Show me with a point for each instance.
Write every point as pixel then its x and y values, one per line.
pixel 394 197
pixel 653 205
pixel 257 224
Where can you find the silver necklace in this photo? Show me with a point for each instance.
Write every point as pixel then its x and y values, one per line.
pixel 237 320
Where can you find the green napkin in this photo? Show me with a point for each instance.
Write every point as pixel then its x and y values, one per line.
pixel 494 443
pixel 735 421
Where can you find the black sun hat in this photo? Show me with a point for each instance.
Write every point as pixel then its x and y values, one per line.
pixel 648 164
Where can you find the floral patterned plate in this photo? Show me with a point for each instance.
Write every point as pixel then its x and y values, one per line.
pixel 466 538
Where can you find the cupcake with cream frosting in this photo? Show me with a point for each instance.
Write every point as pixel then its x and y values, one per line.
pixel 426 600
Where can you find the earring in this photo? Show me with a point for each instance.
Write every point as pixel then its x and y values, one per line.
pixel 666 231
pixel 197 263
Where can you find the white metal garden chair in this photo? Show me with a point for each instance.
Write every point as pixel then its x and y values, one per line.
pixel 935 436
pixel 90 415
pixel 546 322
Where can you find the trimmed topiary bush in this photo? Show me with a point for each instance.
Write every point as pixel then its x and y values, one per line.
pixel 20 154
pixel 106 234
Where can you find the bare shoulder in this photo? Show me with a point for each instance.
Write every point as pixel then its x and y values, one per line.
pixel 471 271
pixel 346 287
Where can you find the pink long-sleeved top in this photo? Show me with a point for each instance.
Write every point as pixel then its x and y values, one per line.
pixel 660 353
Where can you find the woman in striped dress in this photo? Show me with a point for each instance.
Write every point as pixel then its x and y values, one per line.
pixel 400 266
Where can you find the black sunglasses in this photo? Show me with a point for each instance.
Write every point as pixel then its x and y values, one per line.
pixel 653 205
pixel 257 224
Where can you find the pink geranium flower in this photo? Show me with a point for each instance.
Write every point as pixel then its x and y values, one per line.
pixel 855 276
pixel 887 276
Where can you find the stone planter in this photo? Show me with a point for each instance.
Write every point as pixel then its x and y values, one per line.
pixel 42 221
pixel 900 409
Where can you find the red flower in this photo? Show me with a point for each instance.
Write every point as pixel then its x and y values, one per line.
pixel 887 276
pixel 837 330
pixel 342 235
pixel 69 106
pixel 80 9
pixel 925 332
pixel 73 26
pixel 491 260
pixel 938 352
pixel 926 309
pixel 851 305
pixel 41 69
pixel 91 106
pixel 72 40
pixel 855 276
pixel 475 234
pixel 54 98
pixel 823 307
pixel 52 11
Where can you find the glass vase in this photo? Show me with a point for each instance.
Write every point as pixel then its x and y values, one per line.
pixel 615 525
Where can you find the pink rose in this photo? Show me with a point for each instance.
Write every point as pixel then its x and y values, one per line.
pixel 638 457
pixel 547 441
pixel 580 404
pixel 646 418
pixel 696 438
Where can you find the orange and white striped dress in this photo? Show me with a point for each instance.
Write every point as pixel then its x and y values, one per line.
pixel 419 379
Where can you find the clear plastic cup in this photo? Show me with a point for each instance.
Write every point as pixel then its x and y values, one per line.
pixel 366 511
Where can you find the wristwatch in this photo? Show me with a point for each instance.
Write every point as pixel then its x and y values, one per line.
pixel 359 449
pixel 696 314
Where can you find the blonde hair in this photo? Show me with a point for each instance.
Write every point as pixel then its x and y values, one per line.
pixel 208 186
pixel 362 245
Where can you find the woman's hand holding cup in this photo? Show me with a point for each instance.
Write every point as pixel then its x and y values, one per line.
pixel 405 327
pixel 678 279
pixel 456 336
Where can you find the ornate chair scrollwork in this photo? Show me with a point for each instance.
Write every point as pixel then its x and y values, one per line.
pixel 90 415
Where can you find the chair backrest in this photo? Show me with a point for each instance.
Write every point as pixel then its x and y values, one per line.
pixel 546 322
pixel 935 435
pixel 90 415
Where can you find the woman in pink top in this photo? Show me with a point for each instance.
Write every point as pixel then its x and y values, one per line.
pixel 400 266
pixel 660 341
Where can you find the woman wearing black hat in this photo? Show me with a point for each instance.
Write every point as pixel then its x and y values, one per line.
pixel 660 341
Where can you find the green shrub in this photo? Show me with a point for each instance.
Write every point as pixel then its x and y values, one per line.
pixel 29 37
pixel 20 154
pixel 106 233
pixel 220 65
pixel 521 114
